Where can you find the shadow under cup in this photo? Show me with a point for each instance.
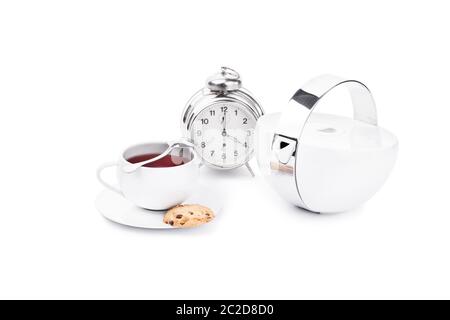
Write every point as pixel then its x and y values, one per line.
pixel 162 184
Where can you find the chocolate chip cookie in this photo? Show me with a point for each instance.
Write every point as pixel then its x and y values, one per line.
pixel 188 215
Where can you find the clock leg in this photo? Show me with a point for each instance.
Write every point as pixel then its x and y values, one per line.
pixel 250 169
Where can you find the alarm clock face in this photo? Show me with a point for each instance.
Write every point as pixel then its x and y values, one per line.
pixel 223 134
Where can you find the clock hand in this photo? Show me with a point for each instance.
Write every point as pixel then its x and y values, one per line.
pixel 224 133
pixel 224 120
pixel 234 138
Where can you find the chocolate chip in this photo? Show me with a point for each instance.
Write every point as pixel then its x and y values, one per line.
pixel 179 216
pixel 171 222
pixel 208 214
pixel 191 213
pixel 182 223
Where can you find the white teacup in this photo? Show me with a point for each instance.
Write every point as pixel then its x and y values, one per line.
pixel 155 188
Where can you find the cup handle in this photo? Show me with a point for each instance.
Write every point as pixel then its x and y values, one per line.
pixel 103 182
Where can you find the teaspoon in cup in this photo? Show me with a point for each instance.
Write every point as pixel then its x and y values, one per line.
pixel 129 168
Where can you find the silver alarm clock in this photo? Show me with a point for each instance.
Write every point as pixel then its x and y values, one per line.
pixel 220 121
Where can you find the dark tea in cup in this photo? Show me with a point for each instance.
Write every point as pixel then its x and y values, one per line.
pixel 169 160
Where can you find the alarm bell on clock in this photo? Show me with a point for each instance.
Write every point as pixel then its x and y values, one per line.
pixel 220 121
pixel 322 162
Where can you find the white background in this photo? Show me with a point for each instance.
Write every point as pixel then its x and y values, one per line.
pixel 79 80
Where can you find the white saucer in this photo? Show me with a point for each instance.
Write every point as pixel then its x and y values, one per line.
pixel 116 208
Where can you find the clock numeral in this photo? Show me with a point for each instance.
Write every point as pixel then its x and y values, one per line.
pixel 244 121
pixel 203 144
pixel 212 153
pixel 212 112
pixel 249 133
pixel 235 112
pixel 224 109
pixel 199 133
pixel 204 121
pixel 236 153
pixel 245 144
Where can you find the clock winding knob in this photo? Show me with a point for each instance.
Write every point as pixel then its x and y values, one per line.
pixel 224 81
